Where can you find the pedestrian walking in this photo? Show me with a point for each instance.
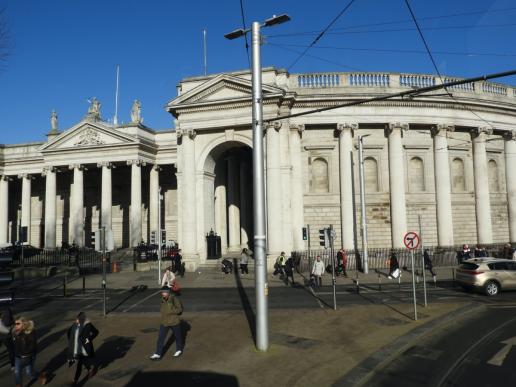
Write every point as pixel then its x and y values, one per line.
pixel 480 252
pixel 342 262
pixel 171 309
pixel 80 347
pixel 318 271
pixel 244 261
pixel 507 251
pixel 394 267
pixel 280 265
pixel 168 277
pixel 428 263
pixel 6 326
pixel 24 344
pixel 289 270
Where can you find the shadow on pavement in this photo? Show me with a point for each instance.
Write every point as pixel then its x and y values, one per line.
pixel 183 379
pixel 246 305
pixel 373 301
pixel 113 348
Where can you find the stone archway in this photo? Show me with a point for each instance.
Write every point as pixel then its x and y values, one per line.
pixel 228 193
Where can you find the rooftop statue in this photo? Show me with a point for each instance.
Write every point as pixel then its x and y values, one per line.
pixel 53 121
pixel 94 108
pixel 136 112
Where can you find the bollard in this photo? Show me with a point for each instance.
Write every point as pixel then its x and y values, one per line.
pixel 435 281
pixel 453 276
pixel 417 276
pixel 64 286
pixel 83 283
pixel 399 281
pixel 379 282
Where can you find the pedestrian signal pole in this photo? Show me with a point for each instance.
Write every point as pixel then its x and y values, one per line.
pixel 330 232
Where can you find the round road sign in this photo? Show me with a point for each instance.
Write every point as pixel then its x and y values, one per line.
pixel 411 240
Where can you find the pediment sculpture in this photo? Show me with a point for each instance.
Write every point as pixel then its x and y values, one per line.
pixel 89 137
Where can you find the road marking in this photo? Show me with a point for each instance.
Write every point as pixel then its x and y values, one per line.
pixel 499 358
pixel 317 298
pixel 139 302
pixel 58 298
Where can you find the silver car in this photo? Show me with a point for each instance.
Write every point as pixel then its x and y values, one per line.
pixel 488 274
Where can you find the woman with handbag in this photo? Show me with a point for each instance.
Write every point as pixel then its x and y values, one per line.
pixel 80 347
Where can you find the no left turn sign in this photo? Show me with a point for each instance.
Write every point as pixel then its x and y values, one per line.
pixel 411 240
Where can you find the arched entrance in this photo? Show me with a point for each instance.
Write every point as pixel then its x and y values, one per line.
pixel 229 183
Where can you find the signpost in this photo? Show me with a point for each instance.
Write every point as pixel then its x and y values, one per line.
pixel 411 241
pixel 423 260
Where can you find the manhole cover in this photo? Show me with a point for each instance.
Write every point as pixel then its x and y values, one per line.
pixel 292 341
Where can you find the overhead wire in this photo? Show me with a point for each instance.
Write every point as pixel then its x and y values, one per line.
pixel 321 34
pixel 427 47
pixel 245 35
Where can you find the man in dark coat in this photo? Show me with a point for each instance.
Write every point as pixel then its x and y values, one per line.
pixel 289 270
pixel 80 346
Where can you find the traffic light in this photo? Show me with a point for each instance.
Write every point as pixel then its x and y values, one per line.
pixel 163 236
pixel 324 239
pixel 153 237
pixel 93 238
pixel 305 234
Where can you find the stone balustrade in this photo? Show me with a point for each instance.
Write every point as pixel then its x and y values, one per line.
pixel 394 80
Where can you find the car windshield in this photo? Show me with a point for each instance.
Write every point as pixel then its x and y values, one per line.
pixel 469 266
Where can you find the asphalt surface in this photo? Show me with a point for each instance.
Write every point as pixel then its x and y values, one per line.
pixel 474 351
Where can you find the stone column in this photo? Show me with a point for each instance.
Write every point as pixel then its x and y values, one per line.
pixel 221 205
pixel 443 184
pixel 273 198
pixel 188 195
pixel 347 228
pixel 234 204
pixel 4 209
pixel 482 200
pixel 106 204
pixel 286 184
pixel 246 196
pixel 77 206
pixel 394 133
pixel 26 203
pixel 50 207
pixel 510 177
pixel 297 212
pixel 135 213
pixel 154 199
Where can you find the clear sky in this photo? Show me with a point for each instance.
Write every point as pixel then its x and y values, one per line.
pixel 64 52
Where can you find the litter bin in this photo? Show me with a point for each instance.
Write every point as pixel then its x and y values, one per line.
pixel 213 245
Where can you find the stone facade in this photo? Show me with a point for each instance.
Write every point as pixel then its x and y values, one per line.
pixel 449 160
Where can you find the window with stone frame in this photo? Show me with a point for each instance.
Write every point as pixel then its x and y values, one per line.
pixel 416 175
pixel 492 170
pixel 371 174
pixel 457 175
pixel 319 181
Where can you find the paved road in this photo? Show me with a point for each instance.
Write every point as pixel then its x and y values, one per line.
pixel 474 351
pixel 238 298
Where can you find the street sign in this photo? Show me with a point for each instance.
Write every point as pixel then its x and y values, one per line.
pixel 411 240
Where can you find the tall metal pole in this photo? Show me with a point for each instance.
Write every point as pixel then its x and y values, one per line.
pixel 334 281
pixel 261 286
pixel 309 248
pixel 103 248
pixel 115 119
pixel 160 241
pixel 365 262
pixel 205 52
pixel 414 284
pixel 422 258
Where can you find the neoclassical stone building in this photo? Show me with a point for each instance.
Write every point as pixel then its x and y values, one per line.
pixel 450 160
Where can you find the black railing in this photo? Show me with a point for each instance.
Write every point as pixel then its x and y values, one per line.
pixel 378 258
pixel 145 253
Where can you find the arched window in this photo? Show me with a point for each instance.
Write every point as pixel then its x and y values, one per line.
pixel 371 174
pixel 416 175
pixel 458 180
pixel 319 180
pixel 492 170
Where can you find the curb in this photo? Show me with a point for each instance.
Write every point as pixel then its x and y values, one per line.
pixel 360 375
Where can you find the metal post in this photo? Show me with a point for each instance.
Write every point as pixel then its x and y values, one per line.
pixel 334 281
pixel 83 283
pixel 160 241
pixel 365 263
pixel 261 285
pixel 422 259
pixel 379 282
pixel 413 285
pixel 309 249
pixel 103 245
pixel 64 286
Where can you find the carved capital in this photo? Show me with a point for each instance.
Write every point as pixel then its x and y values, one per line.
pixel 5 178
pixel 436 129
pixel 25 176
pixel 137 162
pixel 48 169
pixel 389 128
pixel 106 164
pixel 509 135
pixel 347 126
pixel 481 133
pixel 78 166
pixel 157 167
pixel 300 128
pixel 186 132
pixel 276 125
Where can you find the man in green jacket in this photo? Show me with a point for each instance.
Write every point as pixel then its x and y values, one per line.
pixel 171 309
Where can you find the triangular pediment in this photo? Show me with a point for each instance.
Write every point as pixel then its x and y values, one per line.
pixel 88 134
pixel 222 88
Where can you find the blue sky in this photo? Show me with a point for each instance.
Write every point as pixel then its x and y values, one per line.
pixel 64 52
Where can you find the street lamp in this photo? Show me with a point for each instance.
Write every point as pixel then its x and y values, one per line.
pixel 260 245
pixel 365 266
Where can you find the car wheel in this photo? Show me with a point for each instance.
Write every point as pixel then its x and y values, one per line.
pixel 492 288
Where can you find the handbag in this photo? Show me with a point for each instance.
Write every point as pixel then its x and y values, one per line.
pixel 175 287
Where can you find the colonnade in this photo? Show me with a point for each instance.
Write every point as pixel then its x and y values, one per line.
pixel 76 217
